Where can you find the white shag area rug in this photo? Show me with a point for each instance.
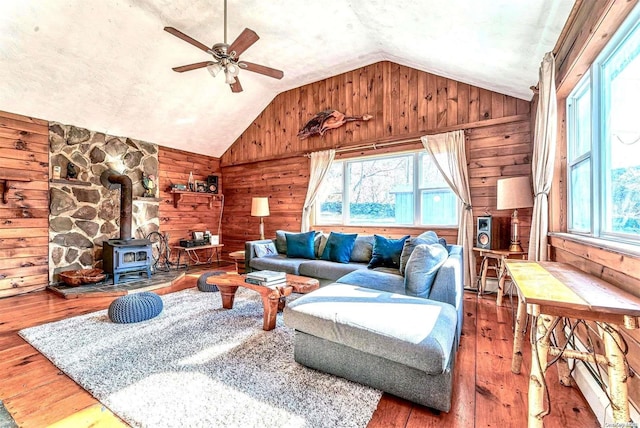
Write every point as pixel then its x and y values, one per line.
pixel 199 365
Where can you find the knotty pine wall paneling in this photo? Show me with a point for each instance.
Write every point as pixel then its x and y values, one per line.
pixel 24 218
pixel 405 103
pixel 192 215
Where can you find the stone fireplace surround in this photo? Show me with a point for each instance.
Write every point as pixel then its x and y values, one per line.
pixel 82 212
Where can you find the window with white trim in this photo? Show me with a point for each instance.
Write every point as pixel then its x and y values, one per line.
pixel 398 189
pixel 603 144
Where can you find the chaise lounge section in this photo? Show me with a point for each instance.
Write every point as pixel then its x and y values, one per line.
pixel 397 330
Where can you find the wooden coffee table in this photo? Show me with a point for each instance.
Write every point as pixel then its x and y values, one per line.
pixel 273 298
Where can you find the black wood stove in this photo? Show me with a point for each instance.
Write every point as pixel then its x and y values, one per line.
pixel 124 256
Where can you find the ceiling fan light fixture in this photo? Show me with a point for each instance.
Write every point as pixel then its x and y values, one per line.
pixel 214 68
pixel 229 77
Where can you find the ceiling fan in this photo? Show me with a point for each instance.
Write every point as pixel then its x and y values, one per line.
pixel 226 57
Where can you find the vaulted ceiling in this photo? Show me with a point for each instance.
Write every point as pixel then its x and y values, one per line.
pixel 106 65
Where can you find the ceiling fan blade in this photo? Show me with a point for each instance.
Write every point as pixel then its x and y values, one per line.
pixel 236 87
pixel 257 68
pixel 179 34
pixel 190 67
pixel 244 40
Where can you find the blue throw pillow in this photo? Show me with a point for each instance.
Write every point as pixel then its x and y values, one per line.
pixel 301 245
pixel 386 252
pixel 339 246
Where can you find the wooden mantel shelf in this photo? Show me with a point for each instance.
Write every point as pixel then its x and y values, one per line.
pixel 73 182
pixel 178 196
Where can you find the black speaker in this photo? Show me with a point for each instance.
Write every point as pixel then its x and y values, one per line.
pixel 492 233
pixel 212 184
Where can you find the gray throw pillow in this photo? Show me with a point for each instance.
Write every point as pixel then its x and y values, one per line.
pixel 362 249
pixel 422 268
pixel 319 242
pixel 281 241
pixel 429 237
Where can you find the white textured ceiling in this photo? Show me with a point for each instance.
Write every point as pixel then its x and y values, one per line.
pixel 106 64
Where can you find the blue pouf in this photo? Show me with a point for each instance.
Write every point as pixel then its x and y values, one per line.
pixel 202 281
pixel 135 307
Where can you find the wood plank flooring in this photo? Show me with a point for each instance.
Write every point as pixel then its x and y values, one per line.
pixel 486 393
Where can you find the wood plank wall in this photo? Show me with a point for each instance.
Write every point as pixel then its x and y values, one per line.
pixel 594 24
pixel 404 102
pixel 194 214
pixel 267 159
pixel 24 219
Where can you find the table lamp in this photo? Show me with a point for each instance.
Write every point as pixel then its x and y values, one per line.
pixel 514 193
pixel 260 208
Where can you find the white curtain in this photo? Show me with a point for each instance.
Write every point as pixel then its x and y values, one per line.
pixel 320 164
pixel 544 150
pixel 448 153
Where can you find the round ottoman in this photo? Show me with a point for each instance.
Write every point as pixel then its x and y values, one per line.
pixel 135 307
pixel 202 281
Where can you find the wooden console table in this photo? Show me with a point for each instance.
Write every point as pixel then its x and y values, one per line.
pixel 549 291
pixel 192 255
pixel 498 256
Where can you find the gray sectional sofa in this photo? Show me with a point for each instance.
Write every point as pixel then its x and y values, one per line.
pixel 397 330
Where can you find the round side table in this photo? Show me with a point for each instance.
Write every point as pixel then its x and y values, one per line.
pixel 238 257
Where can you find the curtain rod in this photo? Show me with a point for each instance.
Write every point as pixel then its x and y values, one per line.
pixel 377 145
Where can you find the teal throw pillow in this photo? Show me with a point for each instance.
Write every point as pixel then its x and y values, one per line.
pixel 339 246
pixel 301 245
pixel 386 252
pixel 422 268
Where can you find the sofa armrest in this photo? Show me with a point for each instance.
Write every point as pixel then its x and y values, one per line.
pixel 448 286
pixel 250 252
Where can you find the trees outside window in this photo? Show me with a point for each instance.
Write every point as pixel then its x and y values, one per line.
pixel 405 189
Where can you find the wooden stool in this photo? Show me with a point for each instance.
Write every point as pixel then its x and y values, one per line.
pixel 238 257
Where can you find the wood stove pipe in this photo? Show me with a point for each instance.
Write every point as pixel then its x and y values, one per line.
pixel 113 180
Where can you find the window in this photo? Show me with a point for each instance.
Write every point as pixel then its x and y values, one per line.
pixel 402 189
pixel 603 151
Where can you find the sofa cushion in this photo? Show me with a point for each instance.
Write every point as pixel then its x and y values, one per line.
pixel 428 237
pixel 422 268
pixel 265 250
pixel 383 281
pixel 339 246
pixel 301 245
pixel 408 330
pixel 362 249
pixel 328 270
pixel 386 251
pixel 280 263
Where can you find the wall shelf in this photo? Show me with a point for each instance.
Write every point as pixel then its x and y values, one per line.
pixel 70 182
pixel 146 199
pixel 178 197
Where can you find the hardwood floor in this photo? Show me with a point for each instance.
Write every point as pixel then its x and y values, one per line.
pixel 486 393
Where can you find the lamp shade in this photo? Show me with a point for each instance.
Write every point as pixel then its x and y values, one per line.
pixel 260 207
pixel 513 193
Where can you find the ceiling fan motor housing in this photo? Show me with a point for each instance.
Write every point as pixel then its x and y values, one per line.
pixel 220 51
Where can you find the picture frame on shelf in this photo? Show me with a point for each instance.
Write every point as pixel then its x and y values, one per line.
pixel 201 187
